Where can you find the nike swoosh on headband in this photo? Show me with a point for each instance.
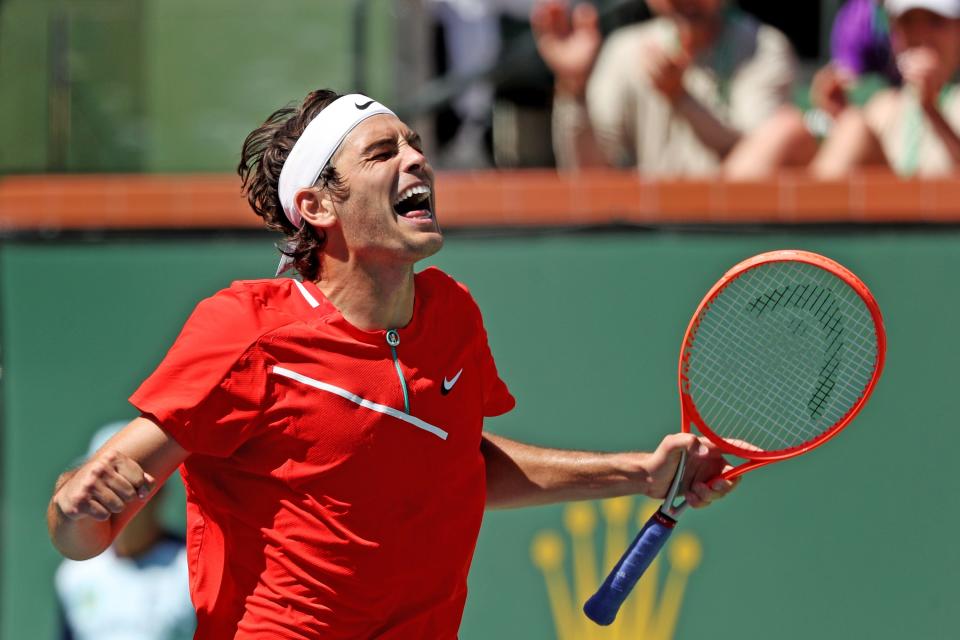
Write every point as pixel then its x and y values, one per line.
pixel 317 144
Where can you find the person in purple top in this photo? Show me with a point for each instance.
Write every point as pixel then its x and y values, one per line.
pixel 859 45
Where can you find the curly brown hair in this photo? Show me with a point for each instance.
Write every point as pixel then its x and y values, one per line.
pixel 264 152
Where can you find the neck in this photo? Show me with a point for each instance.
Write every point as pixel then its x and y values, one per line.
pixel 370 297
pixel 699 37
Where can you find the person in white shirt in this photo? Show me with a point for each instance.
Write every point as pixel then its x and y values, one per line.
pixel 138 589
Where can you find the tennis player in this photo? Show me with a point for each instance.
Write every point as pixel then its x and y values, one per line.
pixel 329 429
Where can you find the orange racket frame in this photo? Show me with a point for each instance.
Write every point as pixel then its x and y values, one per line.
pixel 756 459
pixel 602 607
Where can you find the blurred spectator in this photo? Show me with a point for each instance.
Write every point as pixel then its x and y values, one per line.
pixel 912 129
pixel 682 94
pixel 137 589
pixel 859 48
pixel 471 36
pixel 472 44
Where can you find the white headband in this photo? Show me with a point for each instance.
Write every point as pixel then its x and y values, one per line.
pixel 317 144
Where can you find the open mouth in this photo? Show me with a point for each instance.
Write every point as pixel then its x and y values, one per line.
pixel 414 202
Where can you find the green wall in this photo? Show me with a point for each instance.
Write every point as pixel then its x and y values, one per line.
pixel 167 85
pixel 856 541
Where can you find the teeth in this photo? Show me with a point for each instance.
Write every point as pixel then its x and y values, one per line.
pixel 411 192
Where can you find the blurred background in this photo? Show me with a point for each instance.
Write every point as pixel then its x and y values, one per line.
pixel 599 168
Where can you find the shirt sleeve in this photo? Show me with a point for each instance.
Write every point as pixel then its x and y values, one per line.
pixel 497 398
pixel 209 389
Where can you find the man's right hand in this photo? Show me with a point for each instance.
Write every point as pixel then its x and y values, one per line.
pixel 104 486
pixel 568 43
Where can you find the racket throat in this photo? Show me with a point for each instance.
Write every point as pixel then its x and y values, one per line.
pixel 670 509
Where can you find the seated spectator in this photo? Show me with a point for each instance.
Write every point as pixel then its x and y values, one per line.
pixel 912 129
pixel 682 94
pixel 860 51
pixel 137 589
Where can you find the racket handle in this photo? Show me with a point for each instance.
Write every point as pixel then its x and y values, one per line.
pixel 603 606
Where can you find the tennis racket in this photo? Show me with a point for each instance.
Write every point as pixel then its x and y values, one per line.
pixel 780 355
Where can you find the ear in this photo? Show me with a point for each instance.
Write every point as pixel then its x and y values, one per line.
pixel 316 207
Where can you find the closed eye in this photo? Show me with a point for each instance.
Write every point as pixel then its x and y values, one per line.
pixel 381 153
pixel 413 139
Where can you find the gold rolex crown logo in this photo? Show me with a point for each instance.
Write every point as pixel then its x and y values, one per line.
pixel 651 611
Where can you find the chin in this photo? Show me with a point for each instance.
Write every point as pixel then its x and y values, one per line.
pixel 430 245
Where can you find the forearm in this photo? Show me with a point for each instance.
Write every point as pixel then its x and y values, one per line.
pixel 521 475
pixel 944 131
pixel 575 144
pixel 92 504
pixel 76 539
pixel 707 127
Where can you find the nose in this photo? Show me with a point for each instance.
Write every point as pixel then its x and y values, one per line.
pixel 412 160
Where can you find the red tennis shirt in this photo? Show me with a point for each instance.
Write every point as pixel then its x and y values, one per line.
pixel 335 485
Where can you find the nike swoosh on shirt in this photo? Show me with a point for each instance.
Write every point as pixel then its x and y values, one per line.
pixel 448 384
pixel 362 106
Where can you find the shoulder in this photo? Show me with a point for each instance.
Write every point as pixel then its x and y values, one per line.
pixel 633 37
pixel 249 307
pixel 435 282
pixel 615 70
pixel 227 324
pixel 749 35
pixel 760 38
pixel 772 39
pixel 440 288
pixel 279 295
pixel 760 53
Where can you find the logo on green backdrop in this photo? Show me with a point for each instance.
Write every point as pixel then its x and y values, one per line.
pixel 651 611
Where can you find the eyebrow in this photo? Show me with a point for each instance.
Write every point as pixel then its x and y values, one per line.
pixel 376 144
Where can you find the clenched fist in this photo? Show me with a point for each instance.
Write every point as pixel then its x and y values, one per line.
pixel 105 485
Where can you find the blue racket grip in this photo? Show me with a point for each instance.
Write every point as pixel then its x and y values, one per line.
pixel 603 606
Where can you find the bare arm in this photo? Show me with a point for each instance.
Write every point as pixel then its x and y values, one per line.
pixel 711 131
pixel 569 44
pixel 925 74
pixel 943 130
pixel 575 143
pixel 852 142
pixel 520 474
pixel 90 505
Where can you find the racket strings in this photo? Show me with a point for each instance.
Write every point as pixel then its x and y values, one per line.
pixel 821 303
pixel 757 412
pixel 816 303
pixel 818 396
pixel 780 355
pixel 761 435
